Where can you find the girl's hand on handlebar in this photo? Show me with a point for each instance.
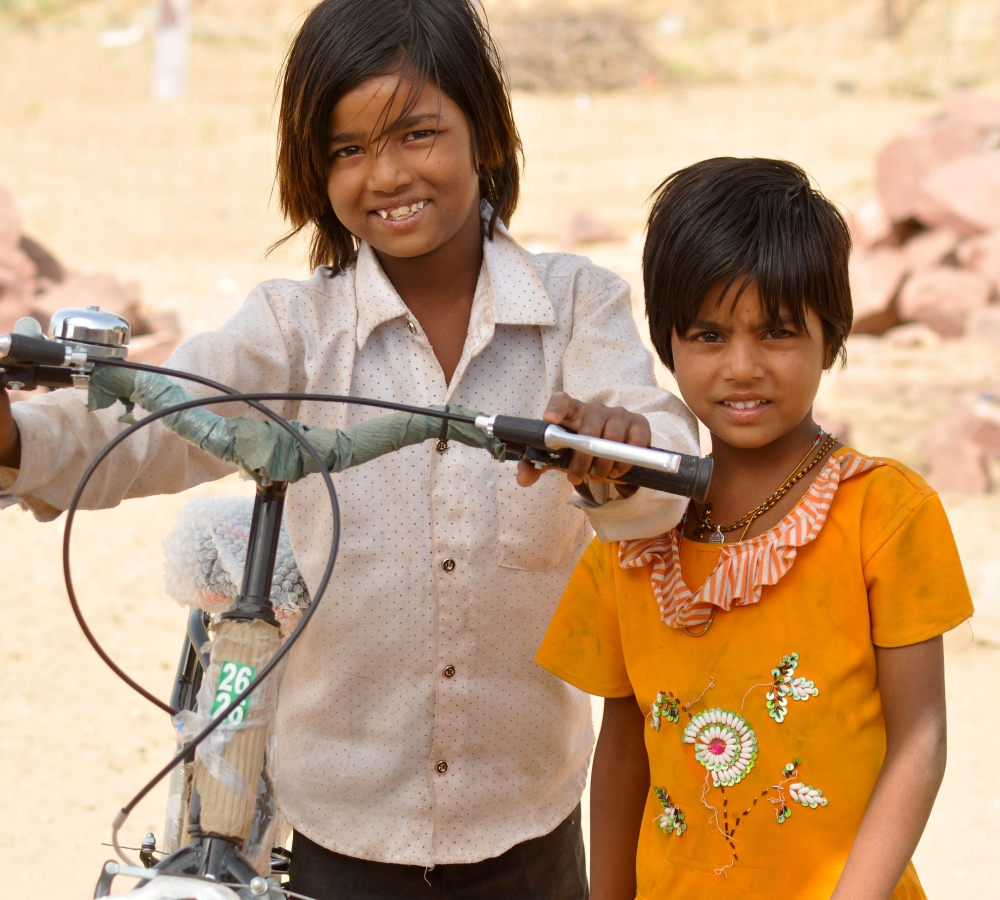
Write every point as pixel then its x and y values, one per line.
pixel 10 437
pixel 594 420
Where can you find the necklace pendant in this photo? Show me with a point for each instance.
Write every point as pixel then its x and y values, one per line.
pixel 717 536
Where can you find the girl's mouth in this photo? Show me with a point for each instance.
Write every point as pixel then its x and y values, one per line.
pixel 745 404
pixel 745 411
pixel 401 213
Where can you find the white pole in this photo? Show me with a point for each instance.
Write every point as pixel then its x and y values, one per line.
pixel 172 50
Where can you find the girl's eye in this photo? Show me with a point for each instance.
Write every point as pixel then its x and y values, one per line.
pixel 420 135
pixel 345 152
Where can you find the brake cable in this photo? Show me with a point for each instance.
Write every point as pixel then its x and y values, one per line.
pixel 229 396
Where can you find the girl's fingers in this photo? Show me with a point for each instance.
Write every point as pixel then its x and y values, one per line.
pixel 595 420
pixel 527 474
pixel 562 409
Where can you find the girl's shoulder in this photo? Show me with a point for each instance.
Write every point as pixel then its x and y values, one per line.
pixel 882 477
pixel 582 272
pixel 324 284
pixel 883 498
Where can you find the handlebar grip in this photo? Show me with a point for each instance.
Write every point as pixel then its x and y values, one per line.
pixel 23 349
pixel 28 378
pixel 692 479
pixel 518 430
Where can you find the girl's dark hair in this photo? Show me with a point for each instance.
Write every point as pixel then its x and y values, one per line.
pixel 344 42
pixel 748 221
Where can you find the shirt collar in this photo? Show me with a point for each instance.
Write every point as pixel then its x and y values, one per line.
pixel 515 292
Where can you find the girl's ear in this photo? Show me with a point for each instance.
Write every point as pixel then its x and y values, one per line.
pixel 830 355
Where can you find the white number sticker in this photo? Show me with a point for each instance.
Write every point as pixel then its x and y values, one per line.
pixel 234 678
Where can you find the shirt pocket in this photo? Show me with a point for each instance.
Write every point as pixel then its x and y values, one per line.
pixel 537 528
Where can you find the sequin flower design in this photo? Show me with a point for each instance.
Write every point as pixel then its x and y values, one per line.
pixel 725 744
pixel 807 795
pixel 665 706
pixel 786 685
pixel 672 819
pixel 804 794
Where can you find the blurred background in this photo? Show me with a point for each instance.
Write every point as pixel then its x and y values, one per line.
pixel 136 171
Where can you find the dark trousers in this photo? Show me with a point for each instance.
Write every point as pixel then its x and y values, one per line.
pixel 551 867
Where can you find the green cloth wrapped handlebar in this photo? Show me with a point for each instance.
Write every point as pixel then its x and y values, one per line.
pixel 264 449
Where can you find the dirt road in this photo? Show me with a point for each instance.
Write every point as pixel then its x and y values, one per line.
pixel 176 196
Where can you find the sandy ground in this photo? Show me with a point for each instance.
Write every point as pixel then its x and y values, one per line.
pixel 176 196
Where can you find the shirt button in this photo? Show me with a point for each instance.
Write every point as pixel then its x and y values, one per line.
pixel 448 565
pixel 441 767
pixel 449 671
pixel 411 326
pixel 441 446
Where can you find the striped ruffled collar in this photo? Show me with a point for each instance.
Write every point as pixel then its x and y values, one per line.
pixel 745 568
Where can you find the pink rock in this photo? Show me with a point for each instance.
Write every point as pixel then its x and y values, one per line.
pixel 942 297
pixel 875 278
pixel 10 220
pixel 17 262
pixel 869 223
pixel 963 194
pixel 100 290
pixel 984 324
pixel 954 463
pixel 956 448
pixel 970 106
pixel 982 253
pixel 928 248
pixel 585 228
pixel 905 162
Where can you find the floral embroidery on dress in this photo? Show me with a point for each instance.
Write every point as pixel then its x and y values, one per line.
pixel 671 821
pixel 804 794
pixel 665 706
pixel 745 568
pixel 785 686
pixel 725 744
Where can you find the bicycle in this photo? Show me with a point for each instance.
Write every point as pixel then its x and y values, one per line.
pixel 219 770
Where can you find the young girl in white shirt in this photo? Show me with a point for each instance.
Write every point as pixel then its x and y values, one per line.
pixel 417 741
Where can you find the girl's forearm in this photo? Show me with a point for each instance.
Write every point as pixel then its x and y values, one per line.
pixel 911 683
pixel 894 821
pixel 619 785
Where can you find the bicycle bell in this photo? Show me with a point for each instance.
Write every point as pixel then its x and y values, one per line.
pixel 103 334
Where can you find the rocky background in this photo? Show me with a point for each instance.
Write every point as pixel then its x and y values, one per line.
pixel 164 210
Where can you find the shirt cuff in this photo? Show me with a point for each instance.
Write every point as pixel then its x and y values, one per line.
pixel 646 513
pixel 16 484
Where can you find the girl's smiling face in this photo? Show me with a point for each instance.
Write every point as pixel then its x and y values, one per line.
pixel 747 380
pixel 410 189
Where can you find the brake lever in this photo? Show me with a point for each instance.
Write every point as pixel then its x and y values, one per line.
pixel 692 478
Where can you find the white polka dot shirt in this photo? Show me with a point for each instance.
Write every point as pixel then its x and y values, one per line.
pixel 413 724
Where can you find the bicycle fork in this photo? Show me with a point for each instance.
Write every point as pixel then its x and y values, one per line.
pixel 224 792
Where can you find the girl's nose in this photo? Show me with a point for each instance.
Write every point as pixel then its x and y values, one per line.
pixel 387 174
pixel 743 361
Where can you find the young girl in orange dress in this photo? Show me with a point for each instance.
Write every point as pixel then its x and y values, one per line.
pixel 775 715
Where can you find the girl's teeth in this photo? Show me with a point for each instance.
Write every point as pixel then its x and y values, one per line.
pixel 743 404
pixel 402 212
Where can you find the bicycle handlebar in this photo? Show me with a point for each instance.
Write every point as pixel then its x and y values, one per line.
pixel 29 360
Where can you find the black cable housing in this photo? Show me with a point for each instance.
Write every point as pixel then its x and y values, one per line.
pixel 254 400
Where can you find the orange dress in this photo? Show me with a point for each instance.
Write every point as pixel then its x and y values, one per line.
pixel 765 735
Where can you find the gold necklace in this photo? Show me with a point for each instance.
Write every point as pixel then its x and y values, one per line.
pixel 708 624
pixel 706 526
